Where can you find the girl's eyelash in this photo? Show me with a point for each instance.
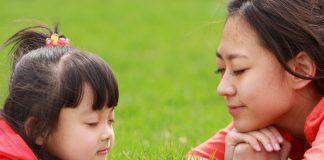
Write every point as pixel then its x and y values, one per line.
pixel 111 122
pixel 220 70
pixel 92 124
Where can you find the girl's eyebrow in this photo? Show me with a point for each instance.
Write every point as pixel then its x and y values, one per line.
pixel 87 112
pixel 218 55
pixel 231 56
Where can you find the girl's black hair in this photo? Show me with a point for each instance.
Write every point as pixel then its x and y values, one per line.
pixel 287 27
pixel 46 79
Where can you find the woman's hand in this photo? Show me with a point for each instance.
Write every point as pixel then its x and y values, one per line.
pixel 244 151
pixel 265 140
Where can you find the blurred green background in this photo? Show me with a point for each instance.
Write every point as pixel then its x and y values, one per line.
pixel 163 55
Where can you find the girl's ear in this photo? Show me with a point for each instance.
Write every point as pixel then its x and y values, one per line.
pixel 39 140
pixel 303 65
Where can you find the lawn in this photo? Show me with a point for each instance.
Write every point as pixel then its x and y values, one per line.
pixel 163 55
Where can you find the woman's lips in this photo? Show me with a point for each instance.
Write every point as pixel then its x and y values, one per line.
pixel 103 152
pixel 234 110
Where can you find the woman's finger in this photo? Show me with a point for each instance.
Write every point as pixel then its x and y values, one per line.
pixel 276 133
pixel 233 138
pixel 263 139
pixel 272 137
pixel 285 151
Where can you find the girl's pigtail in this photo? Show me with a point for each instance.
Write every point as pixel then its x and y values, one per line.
pixel 28 39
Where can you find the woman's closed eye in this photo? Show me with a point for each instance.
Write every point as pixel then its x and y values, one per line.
pixel 238 72
pixel 234 72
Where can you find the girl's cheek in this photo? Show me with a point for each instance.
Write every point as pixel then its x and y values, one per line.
pixel 86 139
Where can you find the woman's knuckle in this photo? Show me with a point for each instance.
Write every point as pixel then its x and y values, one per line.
pixel 243 148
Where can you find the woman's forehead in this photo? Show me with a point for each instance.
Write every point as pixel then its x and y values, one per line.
pixel 239 40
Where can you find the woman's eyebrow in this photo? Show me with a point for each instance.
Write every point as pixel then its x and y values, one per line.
pixel 231 56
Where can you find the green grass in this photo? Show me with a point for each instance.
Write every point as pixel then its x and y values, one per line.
pixel 163 54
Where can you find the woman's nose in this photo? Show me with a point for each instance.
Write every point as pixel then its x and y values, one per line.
pixel 225 86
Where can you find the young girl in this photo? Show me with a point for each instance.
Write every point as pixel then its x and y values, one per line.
pixel 61 100
pixel 270 59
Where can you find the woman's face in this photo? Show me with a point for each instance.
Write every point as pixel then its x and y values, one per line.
pixel 254 84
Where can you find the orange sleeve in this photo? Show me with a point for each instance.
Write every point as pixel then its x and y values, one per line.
pixel 317 147
pixel 214 147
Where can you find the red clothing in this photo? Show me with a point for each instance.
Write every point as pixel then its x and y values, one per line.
pixel 12 146
pixel 314 131
pixel 312 149
pixel 214 147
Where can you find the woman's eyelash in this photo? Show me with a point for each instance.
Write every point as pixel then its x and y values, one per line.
pixel 235 72
pixel 238 72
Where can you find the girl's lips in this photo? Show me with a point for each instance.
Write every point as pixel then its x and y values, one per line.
pixel 234 110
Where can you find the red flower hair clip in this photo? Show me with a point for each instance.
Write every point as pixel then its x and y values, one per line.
pixel 56 41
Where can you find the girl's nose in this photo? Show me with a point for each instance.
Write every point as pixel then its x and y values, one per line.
pixel 107 133
pixel 225 87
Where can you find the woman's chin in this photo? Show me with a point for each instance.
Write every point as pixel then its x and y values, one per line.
pixel 244 126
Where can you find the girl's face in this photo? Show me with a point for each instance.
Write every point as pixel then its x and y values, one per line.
pixel 82 133
pixel 255 86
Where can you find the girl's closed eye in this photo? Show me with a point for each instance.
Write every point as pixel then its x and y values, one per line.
pixel 220 71
pixel 111 121
pixel 92 124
